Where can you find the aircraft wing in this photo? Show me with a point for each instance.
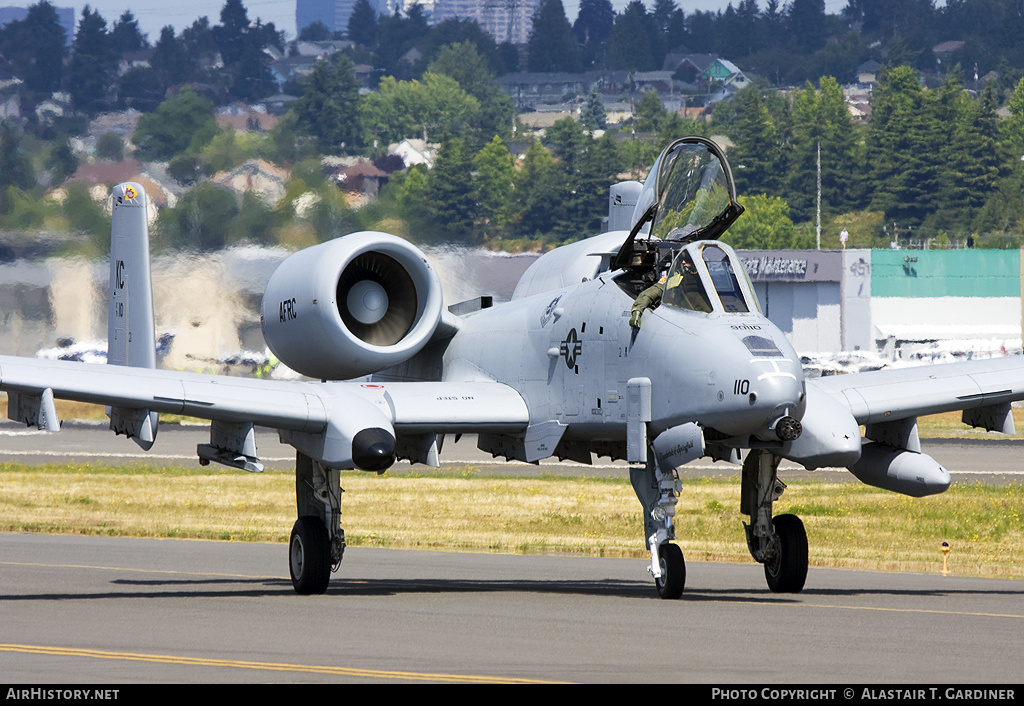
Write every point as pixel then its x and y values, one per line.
pixel 320 419
pixel 888 395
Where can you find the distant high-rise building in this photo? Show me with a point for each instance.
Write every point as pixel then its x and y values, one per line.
pixel 333 13
pixel 309 11
pixel 505 20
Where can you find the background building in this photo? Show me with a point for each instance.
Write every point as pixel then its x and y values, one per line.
pixel 333 13
pixel 896 302
pixel 505 20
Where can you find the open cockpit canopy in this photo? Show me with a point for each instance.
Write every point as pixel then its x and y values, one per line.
pixel 689 195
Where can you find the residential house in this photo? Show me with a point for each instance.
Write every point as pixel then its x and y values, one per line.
pixel 279 103
pixel 292 68
pixel 530 90
pixel 688 67
pixel 867 73
pixel 134 60
pixel 258 176
pixel 244 118
pixel 322 49
pixel 359 178
pixel 719 70
pixel 415 151
pixel 707 69
pixel 660 81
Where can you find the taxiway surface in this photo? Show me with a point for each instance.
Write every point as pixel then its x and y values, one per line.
pixel 91 609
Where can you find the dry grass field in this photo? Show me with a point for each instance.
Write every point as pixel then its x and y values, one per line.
pixel 455 509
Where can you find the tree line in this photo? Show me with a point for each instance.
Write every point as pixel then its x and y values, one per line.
pixel 932 162
pixel 784 43
pixel 34 50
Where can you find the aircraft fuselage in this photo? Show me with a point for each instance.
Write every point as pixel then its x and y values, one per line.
pixel 571 352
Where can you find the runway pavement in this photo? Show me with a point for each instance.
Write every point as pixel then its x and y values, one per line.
pixel 91 609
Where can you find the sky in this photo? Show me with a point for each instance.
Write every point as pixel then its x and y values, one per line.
pixel 153 15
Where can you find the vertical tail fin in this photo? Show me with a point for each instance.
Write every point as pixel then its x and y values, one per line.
pixel 131 333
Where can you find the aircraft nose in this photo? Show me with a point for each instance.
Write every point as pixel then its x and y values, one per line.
pixel 782 388
pixel 779 395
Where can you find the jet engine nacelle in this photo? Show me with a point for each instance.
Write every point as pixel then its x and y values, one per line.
pixel 908 472
pixel 351 306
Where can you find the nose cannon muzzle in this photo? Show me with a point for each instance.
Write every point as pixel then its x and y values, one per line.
pixel 788 428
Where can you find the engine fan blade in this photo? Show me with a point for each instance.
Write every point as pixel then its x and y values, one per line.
pixel 377 299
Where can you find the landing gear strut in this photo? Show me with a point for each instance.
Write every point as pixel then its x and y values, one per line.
pixel 658 493
pixel 780 543
pixel 317 542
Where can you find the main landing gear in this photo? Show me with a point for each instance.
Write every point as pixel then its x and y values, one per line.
pixel 317 543
pixel 779 543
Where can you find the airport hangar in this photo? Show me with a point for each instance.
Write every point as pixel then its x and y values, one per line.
pixel 849 300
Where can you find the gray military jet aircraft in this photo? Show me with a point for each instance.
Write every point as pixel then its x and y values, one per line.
pixel 557 371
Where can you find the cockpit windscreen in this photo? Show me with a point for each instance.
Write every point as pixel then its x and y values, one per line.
pixel 724 279
pixel 704 262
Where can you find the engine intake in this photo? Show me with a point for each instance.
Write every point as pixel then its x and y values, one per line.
pixel 351 306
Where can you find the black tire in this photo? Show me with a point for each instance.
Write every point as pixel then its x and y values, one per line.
pixel 309 556
pixel 787 572
pixel 673 571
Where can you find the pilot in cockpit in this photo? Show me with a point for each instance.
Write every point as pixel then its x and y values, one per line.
pixel 651 297
pixel 680 286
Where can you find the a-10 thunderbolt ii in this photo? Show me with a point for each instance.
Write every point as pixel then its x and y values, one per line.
pixel 557 371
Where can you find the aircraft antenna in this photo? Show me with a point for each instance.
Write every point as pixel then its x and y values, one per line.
pixel 817 227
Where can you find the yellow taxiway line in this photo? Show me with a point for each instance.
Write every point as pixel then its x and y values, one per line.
pixel 266 666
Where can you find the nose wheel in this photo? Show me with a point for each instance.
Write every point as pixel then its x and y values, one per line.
pixel 673 571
